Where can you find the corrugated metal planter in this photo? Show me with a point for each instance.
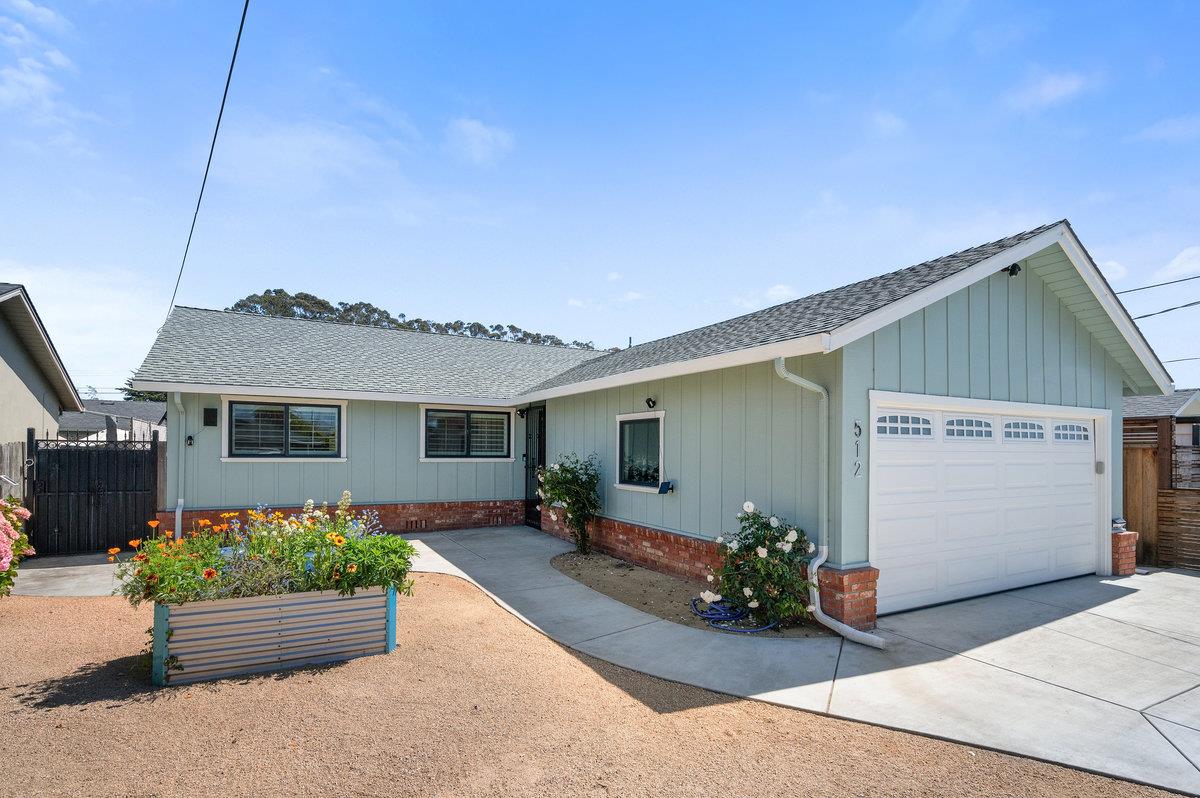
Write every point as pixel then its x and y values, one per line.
pixel 204 640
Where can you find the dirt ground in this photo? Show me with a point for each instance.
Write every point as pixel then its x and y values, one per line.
pixel 472 703
pixel 658 594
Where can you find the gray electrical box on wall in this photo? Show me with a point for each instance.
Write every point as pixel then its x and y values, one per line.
pixel 210 416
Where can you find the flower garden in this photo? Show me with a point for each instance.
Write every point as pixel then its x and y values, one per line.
pixel 14 545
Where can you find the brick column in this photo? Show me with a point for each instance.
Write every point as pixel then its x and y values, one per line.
pixel 1124 553
pixel 849 595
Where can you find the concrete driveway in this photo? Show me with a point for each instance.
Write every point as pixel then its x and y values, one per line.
pixel 1097 673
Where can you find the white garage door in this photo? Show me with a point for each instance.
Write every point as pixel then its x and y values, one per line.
pixel 967 503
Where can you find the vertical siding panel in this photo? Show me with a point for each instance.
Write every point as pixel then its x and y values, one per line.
pixel 1066 331
pixel 936 350
pixel 467 482
pixel 691 489
pixel 393 465
pixel 757 451
pixel 1034 347
pixel 675 432
pixel 887 357
pixel 313 482
pixel 998 336
pixel 1051 347
pixel 447 481
pixel 711 453
pixel 980 341
pixel 784 432
pixel 912 353
pixel 1018 367
pixel 1099 378
pixel 958 343
pixel 1083 365
pixel 733 445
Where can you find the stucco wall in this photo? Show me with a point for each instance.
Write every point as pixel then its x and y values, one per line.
pixel 382 464
pixel 730 435
pixel 1004 338
pixel 26 398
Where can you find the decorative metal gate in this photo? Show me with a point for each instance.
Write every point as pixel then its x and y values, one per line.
pixel 89 496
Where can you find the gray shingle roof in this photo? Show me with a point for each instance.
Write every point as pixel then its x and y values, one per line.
pixel 217 347
pixel 1158 406
pixel 150 412
pixel 818 313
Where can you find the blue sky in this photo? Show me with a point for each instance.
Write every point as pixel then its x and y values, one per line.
pixel 597 172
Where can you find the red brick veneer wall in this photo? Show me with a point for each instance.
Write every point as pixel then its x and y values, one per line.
pixel 849 595
pixel 407 517
pixel 668 552
pixel 1124 553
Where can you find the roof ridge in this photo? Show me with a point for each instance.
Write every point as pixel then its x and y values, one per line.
pixel 248 314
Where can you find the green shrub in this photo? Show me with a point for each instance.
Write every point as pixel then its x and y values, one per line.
pixel 14 543
pixel 763 568
pixel 571 486
pixel 321 548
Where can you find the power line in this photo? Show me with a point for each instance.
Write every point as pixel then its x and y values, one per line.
pixel 1160 285
pixel 1181 359
pixel 1167 310
pixel 211 149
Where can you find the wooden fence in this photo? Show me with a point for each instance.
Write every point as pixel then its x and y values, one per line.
pixel 12 467
pixel 1185 467
pixel 1162 494
pixel 1179 528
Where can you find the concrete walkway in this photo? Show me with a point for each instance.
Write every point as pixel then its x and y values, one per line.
pixel 1101 674
pixel 73 575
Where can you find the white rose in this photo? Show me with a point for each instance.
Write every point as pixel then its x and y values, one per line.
pixel 787 547
pixel 540 494
pixel 811 547
pixel 753 604
pixel 779 545
pixel 709 577
pixel 774 522
pixel 733 544
pixel 748 507
pixel 762 551
pixel 553 516
pixel 720 539
pixel 538 508
pixel 810 609
pixel 555 466
pixel 747 592
pixel 791 536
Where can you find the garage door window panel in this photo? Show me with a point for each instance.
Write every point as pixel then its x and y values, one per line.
pixel 1024 430
pixel 1071 431
pixel 968 427
pixel 903 425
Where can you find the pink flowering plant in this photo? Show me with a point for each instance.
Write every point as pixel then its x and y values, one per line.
pixel 14 544
pixel 764 568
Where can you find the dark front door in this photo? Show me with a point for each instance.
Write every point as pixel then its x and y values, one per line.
pixel 535 458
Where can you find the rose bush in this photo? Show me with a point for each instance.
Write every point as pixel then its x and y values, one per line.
pixel 763 568
pixel 571 486
pixel 321 548
pixel 14 544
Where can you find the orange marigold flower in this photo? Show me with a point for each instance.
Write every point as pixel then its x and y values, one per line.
pixel 133 544
pixel 153 524
pixel 352 567
pixel 140 558
pixel 162 546
pixel 210 573
pixel 152 578
pixel 112 558
pixel 114 550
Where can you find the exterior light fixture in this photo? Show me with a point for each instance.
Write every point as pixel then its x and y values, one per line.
pixel 651 402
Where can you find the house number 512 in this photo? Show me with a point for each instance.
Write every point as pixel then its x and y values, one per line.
pixel 857 465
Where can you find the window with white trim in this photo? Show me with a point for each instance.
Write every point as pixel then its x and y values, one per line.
pixel 967 427
pixel 640 450
pixel 282 429
pixel 466 434
pixel 1070 431
pixel 1024 431
pixel 902 424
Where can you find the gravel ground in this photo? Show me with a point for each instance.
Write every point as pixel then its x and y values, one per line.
pixel 658 594
pixel 472 703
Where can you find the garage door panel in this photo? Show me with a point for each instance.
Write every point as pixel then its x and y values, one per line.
pixel 956 516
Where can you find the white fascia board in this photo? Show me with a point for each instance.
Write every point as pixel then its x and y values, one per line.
pixel 915 401
pixel 1191 407
pixel 45 337
pixel 262 392
pixel 878 319
pixel 1116 311
pixel 808 345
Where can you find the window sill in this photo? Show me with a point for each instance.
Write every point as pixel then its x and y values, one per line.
pixel 466 459
pixel 638 488
pixel 283 459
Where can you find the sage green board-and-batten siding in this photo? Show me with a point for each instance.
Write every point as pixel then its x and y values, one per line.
pixel 382 465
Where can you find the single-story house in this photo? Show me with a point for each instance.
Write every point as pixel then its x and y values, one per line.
pixel 946 430
pixel 1170 425
pixel 34 386
pixel 1181 408
pixel 113 419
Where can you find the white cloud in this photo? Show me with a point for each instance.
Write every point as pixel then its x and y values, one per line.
pixel 55 58
pixel 886 123
pixel 26 85
pixel 14 35
pixel 1186 263
pixel 1046 90
pixel 631 296
pixel 369 105
pixel 935 20
pixel 612 277
pixel 774 295
pixel 40 16
pixel 473 141
pixel 1176 129
pixel 1114 270
pixel 575 303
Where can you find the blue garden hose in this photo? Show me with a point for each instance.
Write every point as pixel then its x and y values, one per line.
pixel 721 615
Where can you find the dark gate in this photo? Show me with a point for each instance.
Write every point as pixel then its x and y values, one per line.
pixel 535 458
pixel 89 496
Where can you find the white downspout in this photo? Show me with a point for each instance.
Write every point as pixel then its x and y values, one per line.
pixel 814 592
pixel 182 458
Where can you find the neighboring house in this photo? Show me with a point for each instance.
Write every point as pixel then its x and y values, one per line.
pixel 973 403
pixel 34 386
pixel 1171 425
pixel 108 419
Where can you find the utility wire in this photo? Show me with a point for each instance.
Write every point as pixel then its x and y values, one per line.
pixel 1160 285
pixel 1181 359
pixel 1167 310
pixel 211 148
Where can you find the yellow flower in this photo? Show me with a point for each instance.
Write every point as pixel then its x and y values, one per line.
pixel 352 567
pixel 338 540
pixel 330 536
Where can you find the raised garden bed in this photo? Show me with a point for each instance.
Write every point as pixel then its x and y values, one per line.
pixel 204 640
